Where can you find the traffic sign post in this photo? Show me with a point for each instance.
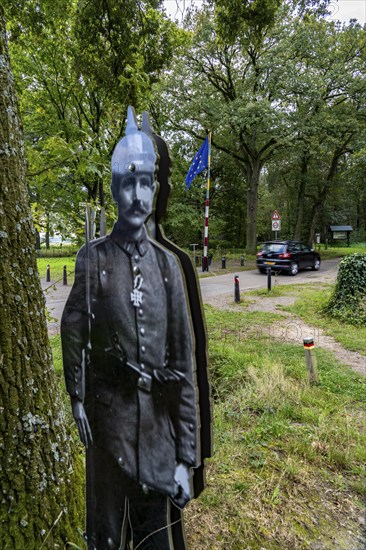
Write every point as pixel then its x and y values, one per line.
pixel 276 222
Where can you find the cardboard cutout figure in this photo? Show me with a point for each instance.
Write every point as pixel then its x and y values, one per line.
pixel 129 364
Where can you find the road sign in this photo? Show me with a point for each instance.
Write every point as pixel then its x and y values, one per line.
pixel 276 225
pixel 276 216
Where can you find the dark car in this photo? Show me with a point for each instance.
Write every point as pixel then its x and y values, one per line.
pixel 288 256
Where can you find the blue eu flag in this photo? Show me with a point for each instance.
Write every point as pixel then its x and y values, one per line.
pixel 200 162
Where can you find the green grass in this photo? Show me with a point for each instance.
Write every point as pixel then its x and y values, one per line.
pixel 280 290
pixel 309 307
pixel 286 454
pixel 56 268
pixel 55 342
pixel 339 252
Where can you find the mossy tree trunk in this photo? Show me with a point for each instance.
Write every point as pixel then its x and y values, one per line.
pixel 39 488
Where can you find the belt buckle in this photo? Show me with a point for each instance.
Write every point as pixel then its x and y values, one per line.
pixel 144 382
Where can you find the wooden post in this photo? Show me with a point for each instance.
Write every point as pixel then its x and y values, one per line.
pixel 311 361
pixel 65 275
pixel 48 274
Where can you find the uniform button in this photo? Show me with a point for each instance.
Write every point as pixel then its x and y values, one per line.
pixel 76 392
pixel 193 444
pixel 193 459
pixel 76 379
pixel 136 258
pixel 120 461
pixel 191 427
pixel 142 366
pixel 165 279
pixel 104 272
pixel 136 270
pixel 142 331
pixel 143 349
pixel 111 543
pixel 141 312
pixel 145 488
pixel 141 381
pixel 76 369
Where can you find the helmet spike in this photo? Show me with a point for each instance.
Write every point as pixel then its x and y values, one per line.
pixel 131 121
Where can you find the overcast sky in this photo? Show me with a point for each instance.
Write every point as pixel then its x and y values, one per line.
pixel 344 10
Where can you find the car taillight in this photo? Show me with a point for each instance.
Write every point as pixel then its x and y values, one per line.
pixel 285 255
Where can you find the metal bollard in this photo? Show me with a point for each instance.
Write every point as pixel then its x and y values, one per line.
pixel 269 279
pixel 311 360
pixel 65 276
pixel 236 289
pixel 241 261
pixel 48 274
pixel 223 262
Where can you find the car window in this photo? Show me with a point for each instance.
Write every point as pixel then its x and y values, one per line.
pixel 305 248
pixel 273 247
pixel 295 247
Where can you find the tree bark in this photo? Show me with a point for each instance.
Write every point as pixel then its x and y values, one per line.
pixel 253 174
pixel 39 493
pixel 323 193
pixel 47 235
pixel 301 194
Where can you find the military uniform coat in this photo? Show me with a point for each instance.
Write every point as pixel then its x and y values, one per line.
pixel 146 432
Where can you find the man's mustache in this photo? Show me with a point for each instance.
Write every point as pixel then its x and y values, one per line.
pixel 136 206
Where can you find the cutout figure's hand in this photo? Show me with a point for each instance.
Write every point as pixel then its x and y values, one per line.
pixel 82 423
pixel 182 477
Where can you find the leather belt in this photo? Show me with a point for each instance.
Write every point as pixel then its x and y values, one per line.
pixel 144 381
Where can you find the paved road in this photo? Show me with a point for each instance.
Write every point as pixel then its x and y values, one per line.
pixel 56 295
pixel 251 280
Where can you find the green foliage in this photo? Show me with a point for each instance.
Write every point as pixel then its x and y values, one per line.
pixel 243 17
pixel 77 66
pixel 281 88
pixel 348 302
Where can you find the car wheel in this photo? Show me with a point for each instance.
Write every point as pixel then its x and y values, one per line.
pixel 294 268
pixel 262 270
pixel 316 265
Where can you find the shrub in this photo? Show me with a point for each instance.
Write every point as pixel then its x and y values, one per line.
pixel 348 301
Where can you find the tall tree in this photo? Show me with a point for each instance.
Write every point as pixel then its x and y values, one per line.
pixel 232 88
pixel 325 86
pixel 39 484
pixel 77 67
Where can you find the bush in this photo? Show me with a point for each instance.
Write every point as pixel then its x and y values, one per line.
pixel 348 301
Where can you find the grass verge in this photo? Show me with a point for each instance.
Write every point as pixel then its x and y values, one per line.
pixel 289 461
pixel 309 307
pixel 56 268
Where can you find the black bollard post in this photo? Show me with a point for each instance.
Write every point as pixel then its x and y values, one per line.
pixel 236 289
pixel 48 274
pixel 269 278
pixel 223 262
pixel 65 276
pixel 241 261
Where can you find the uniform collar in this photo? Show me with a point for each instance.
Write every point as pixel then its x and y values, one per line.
pixel 129 245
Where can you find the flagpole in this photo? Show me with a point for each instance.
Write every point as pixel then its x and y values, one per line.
pixel 207 207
